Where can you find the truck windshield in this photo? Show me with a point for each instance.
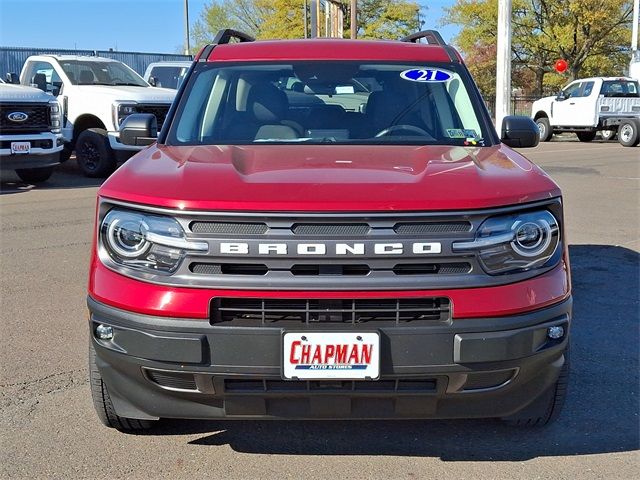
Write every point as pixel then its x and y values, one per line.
pixel 328 102
pixel 93 72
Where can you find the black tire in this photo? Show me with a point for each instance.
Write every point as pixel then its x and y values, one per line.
pixel 608 135
pixel 35 175
pixel 628 134
pixel 66 152
pixel 548 406
pixel 94 154
pixel 102 402
pixel 586 136
pixel 546 132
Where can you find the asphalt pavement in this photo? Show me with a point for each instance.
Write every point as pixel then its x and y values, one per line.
pixel 49 429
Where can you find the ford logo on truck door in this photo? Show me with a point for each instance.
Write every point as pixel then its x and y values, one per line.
pixel 18 117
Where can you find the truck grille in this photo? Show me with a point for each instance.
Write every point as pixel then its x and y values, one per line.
pixel 291 312
pixel 160 111
pixel 38 118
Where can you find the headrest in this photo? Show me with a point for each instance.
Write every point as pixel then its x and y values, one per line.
pixel 267 103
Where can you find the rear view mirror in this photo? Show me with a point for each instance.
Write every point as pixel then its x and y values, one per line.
pixel 561 96
pixel 153 81
pixel 139 129
pixel 12 78
pixel 520 132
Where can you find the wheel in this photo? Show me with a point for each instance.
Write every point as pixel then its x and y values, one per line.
pixel 94 154
pixel 35 175
pixel 628 135
pixel 102 401
pixel 548 406
pixel 66 152
pixel 586 136
pixel 546 132
pixel 608 135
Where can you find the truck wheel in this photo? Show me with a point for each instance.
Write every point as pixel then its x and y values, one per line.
pixel 102 401
pixel 586 136
pixel 628 135
pixel 546 132
pixel 35 175
pixel 548 406
pixel 94 154
pixel 608 135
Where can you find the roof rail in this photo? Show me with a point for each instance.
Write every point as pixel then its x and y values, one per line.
pixel 433 37
pixel 225 35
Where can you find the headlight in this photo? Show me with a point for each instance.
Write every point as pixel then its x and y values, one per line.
pixel 518 242
pixel 145 242
pixel 54 116
pixel 122 111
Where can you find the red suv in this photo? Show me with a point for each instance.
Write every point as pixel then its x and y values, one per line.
pixel 328 229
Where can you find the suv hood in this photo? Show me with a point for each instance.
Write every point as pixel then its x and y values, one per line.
pixel 11 93
pixel 123 92
pixel 328 178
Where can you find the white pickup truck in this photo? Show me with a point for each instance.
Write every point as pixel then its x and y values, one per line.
pixel 30 139
pixel 605 104
pixel 96 94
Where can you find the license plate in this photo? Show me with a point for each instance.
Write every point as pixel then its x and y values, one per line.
pixel 331 355
pixel 20 147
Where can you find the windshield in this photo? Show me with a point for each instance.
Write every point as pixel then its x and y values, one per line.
pixel 328 102
pixel 101 73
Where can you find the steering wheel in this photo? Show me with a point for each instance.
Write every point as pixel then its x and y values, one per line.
pixel 399 128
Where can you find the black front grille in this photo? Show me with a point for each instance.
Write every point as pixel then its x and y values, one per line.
pixel 179 380
pixel 160 111
pixel 420 228
pixel 291 312
pixel 229 228
pixel 331 230
pixel 38 118
pixel 244 386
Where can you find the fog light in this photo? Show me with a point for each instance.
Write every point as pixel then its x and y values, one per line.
pixel 104 332
pixel 555 333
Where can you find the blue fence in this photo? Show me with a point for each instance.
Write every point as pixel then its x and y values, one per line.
pixel 12 58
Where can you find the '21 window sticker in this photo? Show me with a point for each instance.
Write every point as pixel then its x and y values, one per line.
pixel 426 75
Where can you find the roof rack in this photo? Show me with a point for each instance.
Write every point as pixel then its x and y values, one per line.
pixel 225 35
pixel 432 36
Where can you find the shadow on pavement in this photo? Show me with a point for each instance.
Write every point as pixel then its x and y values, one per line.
pixel 66 175
pixel 600 415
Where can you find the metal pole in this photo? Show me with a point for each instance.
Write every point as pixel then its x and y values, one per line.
pixel 354 19
pixel 634 31
pixel 314 18
pixel 503 69
pixel 187 45
pixel 305 19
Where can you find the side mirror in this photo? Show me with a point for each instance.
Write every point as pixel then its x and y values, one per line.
pixel 12 78
pixel 561 96
pixel 520 132
pixel 153 81
pixel 139 129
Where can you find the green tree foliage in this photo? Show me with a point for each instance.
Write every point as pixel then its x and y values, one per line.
pixel 591 35
pixel 285 18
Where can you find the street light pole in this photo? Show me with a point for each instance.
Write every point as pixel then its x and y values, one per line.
pixel 187 45
pixel 634 30
pixel 503 64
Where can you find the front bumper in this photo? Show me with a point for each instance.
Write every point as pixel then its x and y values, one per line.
pixel 37 158
pixel 180 368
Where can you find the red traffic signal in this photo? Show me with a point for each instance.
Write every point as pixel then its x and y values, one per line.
pixel 561 66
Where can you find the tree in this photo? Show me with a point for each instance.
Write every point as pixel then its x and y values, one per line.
pixel 591 35
pixel 285 18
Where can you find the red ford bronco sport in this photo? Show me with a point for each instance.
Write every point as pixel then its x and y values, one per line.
pixel 328 229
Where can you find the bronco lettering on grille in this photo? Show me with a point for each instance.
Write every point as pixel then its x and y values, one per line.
pixel 418 248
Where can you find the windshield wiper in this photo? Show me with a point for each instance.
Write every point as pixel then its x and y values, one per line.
pixel 128 84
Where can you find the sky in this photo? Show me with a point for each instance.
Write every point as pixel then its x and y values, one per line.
pixel 152 26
